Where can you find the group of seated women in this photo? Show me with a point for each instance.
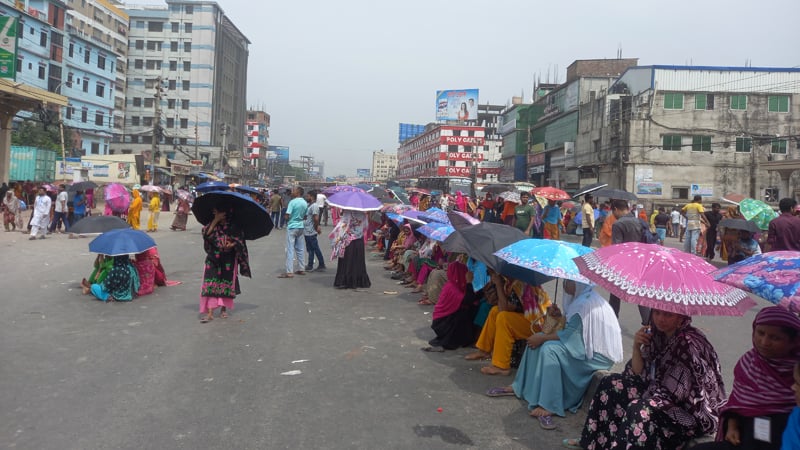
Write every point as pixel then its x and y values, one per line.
pixel 671 391
pixel 118 278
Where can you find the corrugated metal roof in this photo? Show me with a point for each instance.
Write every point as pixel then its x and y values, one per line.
pixel 783 80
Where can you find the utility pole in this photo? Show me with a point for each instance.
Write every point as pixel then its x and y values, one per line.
pixel 157 131
pixel 196 140
pixel 224 133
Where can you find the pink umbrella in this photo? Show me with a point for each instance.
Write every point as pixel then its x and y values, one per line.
pixel 662 278
pixel 151 188
pixel 550 193
pixel 117 197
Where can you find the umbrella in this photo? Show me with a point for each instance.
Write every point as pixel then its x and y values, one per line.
pixel 733 198
pixel 364 186
pixel 150 188
pixel 49 187
pixel 396 218
pixel 510 196
pixel 397 209
pixel 414 216
pixel 420 191
pixel 377 192
pixel 455 243
pixel 460 219
pixel 550 193
pixel 251 217
pixel 97 224
pixel 757 211
pixel 434 215
pixel 436 231
pixel 523 187
pixel 498 188
pixel 389 200
pixel 81 186
pixel 485 238
pixel 330 190
pixel 400 193
pixel 774 276
pixel 740 224
pixel 590 188
pixel 355 201
pixel 183 195
pixel 212 186
pixel 117 197
pixel 247 190
pixel 663 278
pixel 568 205
pixel 549 257
pixel 124 241
pixel 618 194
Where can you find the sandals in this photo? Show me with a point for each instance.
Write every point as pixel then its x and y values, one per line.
pixel 433 349
pixel 500 392
pixel 572 443
pixel 546 422
pixel 285 275
pixel 300 272
pixel 206 319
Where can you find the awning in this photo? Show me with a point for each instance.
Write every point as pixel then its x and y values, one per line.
pixel 164 171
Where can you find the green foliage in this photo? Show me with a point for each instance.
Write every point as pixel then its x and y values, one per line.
pixel 34 134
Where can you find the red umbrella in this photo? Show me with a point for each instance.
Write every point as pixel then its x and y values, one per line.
pixel 568 205
pixel 734 198
pixel 550 193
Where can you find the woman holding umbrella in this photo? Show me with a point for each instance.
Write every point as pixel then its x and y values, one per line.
pixel 181 212
pixel 347 240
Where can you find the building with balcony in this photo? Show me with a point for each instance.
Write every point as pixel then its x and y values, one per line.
pixel 384 166
pixel 255 152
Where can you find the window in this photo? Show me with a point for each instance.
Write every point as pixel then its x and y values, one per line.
pixel 86 55
pixel 172 85
pixel 147 121
pixel 739 102
pixel 680 192
pixel 704 102
pixel 98 119
pixel 173 46
pixel 152 64
pixel 41 72
pixel 139 44
pixel 673 100
pixel 171 103
pixel 184 104
pixel 84 115
pixel 137 101
pixel 43 39
pixel 170 122
pixel 187 47
pixel 100 90
pixel 155 27
pixel 138 64
pixel 95 148
pixel 154 45
pixel 173 66
pixel 187 66
pixel 85 85
pixel 148 102
pixel 187 27
pixel 778 146
pixel 69 112
pixel 701 143
pixel 135 121
pixel 184 123
pixel 778 103
pixel 71 49
pixel 189 9
pixel 175 27
pixel 185 85
pixel 744 145
pixel 671 142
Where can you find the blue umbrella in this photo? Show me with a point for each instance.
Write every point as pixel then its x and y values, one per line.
pixel 355 201
pixel 247 190
pixel 413 216
pixel 436 231
pixel 549 257
pixel 251 217
pixel 211 186
pixel 773 276
pixel 434 215
pixel 396 218
pixel 122 241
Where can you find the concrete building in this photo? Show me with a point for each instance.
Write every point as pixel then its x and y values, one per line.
pixel 515 129
pixel 384 166
pixel 255 152
pixel 489 117
pixel 194 55
pixel 668 133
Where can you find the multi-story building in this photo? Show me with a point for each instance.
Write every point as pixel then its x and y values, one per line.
pixel 257 144
pixel 193 55
pixel 444 151
pixel 515 129
pixel 668 133
pixel 384 166
pixel 489 118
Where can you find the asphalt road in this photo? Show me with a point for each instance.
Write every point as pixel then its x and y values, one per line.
pixel 79 374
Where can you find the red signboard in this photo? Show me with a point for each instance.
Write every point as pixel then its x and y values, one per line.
pixel 461 140
pixel 467 171
pixel 460 156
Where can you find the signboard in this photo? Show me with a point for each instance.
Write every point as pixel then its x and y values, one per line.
pixel 460 105
pixel 100 171
pixel 649 188
pixel 460 156
pixel 467 171
pixel 409 130
pixel 8 47
pixel 363 173
pixel 69 167
pixel 461 140
pixel 704 190
pixel 279 153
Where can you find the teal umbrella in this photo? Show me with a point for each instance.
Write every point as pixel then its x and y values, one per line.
pixel 757 211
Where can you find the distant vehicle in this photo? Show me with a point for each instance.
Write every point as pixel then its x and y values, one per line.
pixel 450 185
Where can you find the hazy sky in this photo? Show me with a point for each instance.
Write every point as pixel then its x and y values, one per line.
pixel 338 76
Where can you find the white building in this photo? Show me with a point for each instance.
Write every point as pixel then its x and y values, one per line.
pixel 384 166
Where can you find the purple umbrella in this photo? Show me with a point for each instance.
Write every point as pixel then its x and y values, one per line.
pixel 414 216
pixel 355 201
pixel 330 190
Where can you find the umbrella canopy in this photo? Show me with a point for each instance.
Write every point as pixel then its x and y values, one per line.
pixel 485 238
pixel 397 209
pixel 662 278
pixel 414 216
pixel 355 201
pixel 396 218
pixel 590 188
pixel 546 256
pixel 733 198
pixel 773 276
pixel 389 201
pixel 330 190
pixel 757 211
pixel 183 195
pixel 117 197
pixel 377 192
pixel 251 217
pixel 455 243
pixel 97 224
pixel 436 231
pixel 739 224
pixel 364 186
pixel 460 219
pixel 510 196
pixel 248 190
pixel 550 193
pixel 212 186
pixel 400 193
pixel 419 191
pixel 150 188
pixel 81 186
pixel 434 215
pixel 49 187
pixel 124 241
pixel 568 205
pixel 498 188
pixel 618 194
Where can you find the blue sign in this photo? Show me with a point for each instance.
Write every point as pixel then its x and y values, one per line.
pixel 363 173
pixel 278 152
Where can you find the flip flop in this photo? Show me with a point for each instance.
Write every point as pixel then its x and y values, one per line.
pixel 285 275
pixel 546 422
pixel 433 349
pixel 425 302
pixel 206 319
pixel 571 443
pixel 500 392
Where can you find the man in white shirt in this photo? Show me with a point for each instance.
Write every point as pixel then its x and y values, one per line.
pixel 323 208
pixel 675 218
pixel 61 211
pixel 41 214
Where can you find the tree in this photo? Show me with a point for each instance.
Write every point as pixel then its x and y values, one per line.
pixel 35 134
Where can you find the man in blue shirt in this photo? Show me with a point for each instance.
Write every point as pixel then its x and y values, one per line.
pixel 78 206
pixel 295 242
pixel 553 221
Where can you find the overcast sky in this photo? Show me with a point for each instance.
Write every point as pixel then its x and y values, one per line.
pixel 338 76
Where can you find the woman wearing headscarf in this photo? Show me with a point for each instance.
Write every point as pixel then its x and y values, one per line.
pixel 669 393
pixel 102 265
pixel 155 210
pixel 453 313
pixel 226 258
pixel 151 272
pixel 347 243
pixel 757 411
pixel 557 368
pixel 121 283
pixel 135 210
pixel 181 215
pixel 10 210
pixel 729 235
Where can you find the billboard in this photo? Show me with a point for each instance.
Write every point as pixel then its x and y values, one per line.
pixel 278 152
pixel 363 173
pixel 408 131
pixel 460 105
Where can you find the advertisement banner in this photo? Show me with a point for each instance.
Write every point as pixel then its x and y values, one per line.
pixel 649 188
pixel 704 190
pixel 460 156
pixel 123 170
pixel 8 47
pixel 467 171
pixel 100 171
pixel 363 173
pixel 68 168
pixel 461 140
pixel 457 105
pixel 279 153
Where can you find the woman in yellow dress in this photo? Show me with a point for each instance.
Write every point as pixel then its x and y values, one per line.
pixel 135 210
pixel 155 209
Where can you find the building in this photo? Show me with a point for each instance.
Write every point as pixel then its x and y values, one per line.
pixel 187 81
pixel 255 151
pixel 668 133
pixel 384 166
pixel 489 118
pixel 514 128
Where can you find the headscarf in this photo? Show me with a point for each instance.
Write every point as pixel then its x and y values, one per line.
pixel 453 291
pixel 480 276
pixel 461 202
pixel 118 280
pixel 11 203
pixel 601 332
pixel 535 301
pixel 684 377
pixel 762 386
pixel 350 228
pixel 411 238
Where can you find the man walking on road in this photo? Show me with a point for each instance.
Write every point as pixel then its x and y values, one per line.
pixel 275 206
pixel 693 212
pixel 41 215
pixel 587 221
pixel 712 217
pixel 295 243
pixel 310 232
pixel 675 220
pixel 61 210
pixel 784 230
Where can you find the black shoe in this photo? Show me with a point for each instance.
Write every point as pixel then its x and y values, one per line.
pixel 309 268
pixel 320 269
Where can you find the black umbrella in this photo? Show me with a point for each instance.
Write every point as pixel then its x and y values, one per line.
pixel 97 224
pixel 455 243
pixel 81 186
pixel 740 224
pixel 378 192
pixel 498 188
pixel 590 188
pixel 247 214
pixel 617 194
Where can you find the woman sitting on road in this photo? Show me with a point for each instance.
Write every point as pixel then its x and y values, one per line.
pixel 669 393
pixel 453 313
pixel 151 272
pixel 121 283
pixel 102 265
pixel 762 386
pixel 557 368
